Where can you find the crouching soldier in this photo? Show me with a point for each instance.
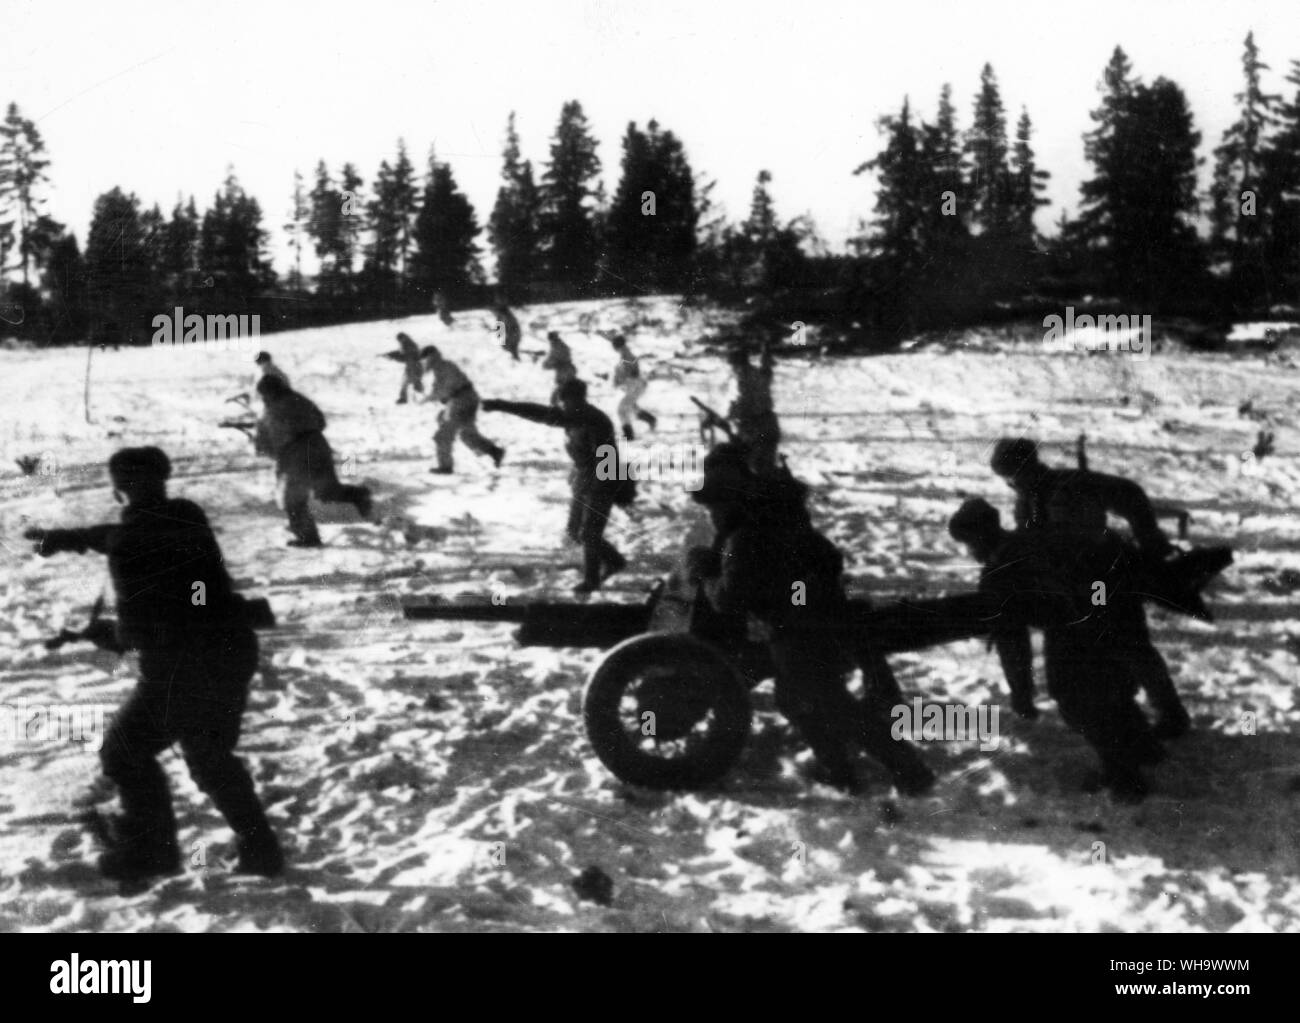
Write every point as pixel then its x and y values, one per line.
pixel 459 414
pixel 291 431
pixel 769 562
pixel 412 368
pixel 1080 499
pixel 177 607
pixel 1080 589
pixel 590 443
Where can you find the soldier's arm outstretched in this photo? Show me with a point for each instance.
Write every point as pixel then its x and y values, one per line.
pixel 544 414
pixel 1129 501
pixel 71 541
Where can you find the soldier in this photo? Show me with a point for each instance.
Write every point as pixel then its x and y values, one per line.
pixel 590 442
pixel 270 369
pixel 513 335
pixel 1075 497
pixel 559 359
pixel 769 562
pixel 177 607
pixel 413 369
pixel 752 410
pixel 1081 499
pixel 1049 579
pixel 443 308
pixel 458 414
pixel 291 431
pixel 627 377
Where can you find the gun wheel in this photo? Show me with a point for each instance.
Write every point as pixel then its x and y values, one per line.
pixel 666 711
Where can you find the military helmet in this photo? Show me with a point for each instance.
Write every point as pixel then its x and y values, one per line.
pixel 1010 455
pixel 976 519
pixel 133 465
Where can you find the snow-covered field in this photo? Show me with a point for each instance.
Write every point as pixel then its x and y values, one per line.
pixel 437 777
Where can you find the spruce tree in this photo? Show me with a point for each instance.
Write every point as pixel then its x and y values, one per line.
pixel 513 228
pixel 1239 224
pixel 568 231
pixel 986 147
pixel 446 256
pixel 22 183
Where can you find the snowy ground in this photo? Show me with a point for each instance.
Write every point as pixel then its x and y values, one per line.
pixel 436 776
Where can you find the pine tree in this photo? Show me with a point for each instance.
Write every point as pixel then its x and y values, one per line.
pixel 1027 183
pixel 352 213
pixel 1280 195
pixel 117 264
pixel 1098 208
pixel 326 229
pixel 1239 226
pixel 405 196
pixel 1139 208
pixel 180 249
pixel 295 227
pixel 894 244
pixel 446 257
pixel 22 183
pixel 568 233
pixel 986 145
pixel 513 228
pixel 232 246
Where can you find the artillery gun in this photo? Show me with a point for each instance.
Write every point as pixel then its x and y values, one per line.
pixel 668 705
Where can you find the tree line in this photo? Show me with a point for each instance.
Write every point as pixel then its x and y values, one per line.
pixel 951 238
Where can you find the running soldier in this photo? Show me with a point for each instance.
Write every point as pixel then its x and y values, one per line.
pixel 752 411
pixel 1080 499
pixel 559 359
pixel 177 607
pixel 590 442
pixel 628 379
pixel 767 561
pixel 291 430
pixel 412 368
pixel 510 325
pixel 266 368
pixel 459 412
pixel 1049 579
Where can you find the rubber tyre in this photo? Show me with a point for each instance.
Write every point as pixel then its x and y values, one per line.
pixel 693 684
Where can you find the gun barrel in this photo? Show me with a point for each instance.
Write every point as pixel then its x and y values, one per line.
pixel 904 625
pixel 543 624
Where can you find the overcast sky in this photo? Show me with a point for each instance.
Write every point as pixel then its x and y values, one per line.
pixel 160 97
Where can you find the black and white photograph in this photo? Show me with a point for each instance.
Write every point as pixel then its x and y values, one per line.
pixel 587 466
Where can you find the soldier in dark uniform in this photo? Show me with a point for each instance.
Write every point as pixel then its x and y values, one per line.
pixel 291 430
pixel 769 562
pixel 177 607
pixel 1048 579
pixel 1081 500
pixel 752 410
pixel 590 442
pixel 509 323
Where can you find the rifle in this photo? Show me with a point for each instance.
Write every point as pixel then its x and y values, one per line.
pixel 100 631
pixel 711 418
pixel 247 426
pixel 533 353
